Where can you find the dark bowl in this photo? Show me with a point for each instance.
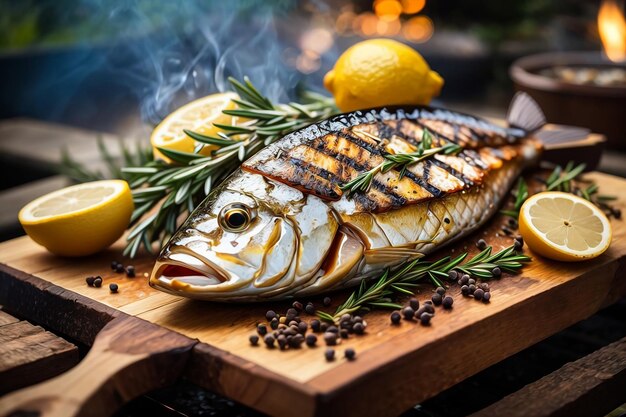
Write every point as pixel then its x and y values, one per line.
pixel 601 109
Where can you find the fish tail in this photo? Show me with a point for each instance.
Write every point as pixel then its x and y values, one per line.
pixel 524 113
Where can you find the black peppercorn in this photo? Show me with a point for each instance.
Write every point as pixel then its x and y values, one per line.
pixel 329 355
pixel 113 287
pixel 425 318
pixel 350 354
pixel 302 326
pixel 332 329
pixel 310 309
pixel 254 339
pixel 496 272
pixel 395 317
pixel 315 325
pixel 471 281
pixel 130 271
pixel 269 340
pixel 358 328
pixel 330 338
pixel 261 329
pixel 274 323
pixel 486 297
pixel 119 268
pixel 429 308
pixel 440 291
pixel 520 241
pixel 271 314
pixel 479 293
pixel 97 282
pixel 344 333
pixel 465 290
pixel 484 286
pixel 114 265
pixel 326 301
pixel 437 299
pixel 453 275
pixel 282 341
pixel 447 302
pixel 481 244
pixel 472 288
pixel 311 340
pixel 414 303
pixel 408 313
pixel 90 281
pixel 465 279
pixel 298 305
pixel 296 341
pixel 324 326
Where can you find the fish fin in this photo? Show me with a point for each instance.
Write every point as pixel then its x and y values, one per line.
pixel 555 134
pixel 390 255
pixel 524 113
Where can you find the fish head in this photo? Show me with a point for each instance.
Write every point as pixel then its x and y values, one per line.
pixel 244 242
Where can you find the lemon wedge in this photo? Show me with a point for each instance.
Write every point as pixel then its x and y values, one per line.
pixel 198 116
pixel 564 227
pixel 79 220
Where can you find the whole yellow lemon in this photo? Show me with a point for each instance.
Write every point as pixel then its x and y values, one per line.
pixel 381 72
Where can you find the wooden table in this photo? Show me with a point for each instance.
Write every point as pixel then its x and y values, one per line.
pixel 397 366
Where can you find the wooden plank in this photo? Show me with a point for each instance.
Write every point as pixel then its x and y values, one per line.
pixel 29 354
pixel 591 386
pixel 6 318
pixel 390 358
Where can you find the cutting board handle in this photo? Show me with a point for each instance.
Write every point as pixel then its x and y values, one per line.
pixel 129 357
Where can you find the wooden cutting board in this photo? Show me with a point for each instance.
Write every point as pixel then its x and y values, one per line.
pixel 396 366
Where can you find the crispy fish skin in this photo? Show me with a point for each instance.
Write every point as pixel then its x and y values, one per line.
pixel 306 236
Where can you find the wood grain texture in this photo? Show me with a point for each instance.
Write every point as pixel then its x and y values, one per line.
pixel 591 386
pixel 390 359
pixel 29 354
pixel 129 357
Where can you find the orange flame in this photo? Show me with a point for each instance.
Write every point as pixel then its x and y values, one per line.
pixel 612 28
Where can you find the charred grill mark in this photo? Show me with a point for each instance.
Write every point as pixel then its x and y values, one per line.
pixel 385 131
pixel 437 133
pixel 322 147
pixel 473 158
pixel 466 181
pixel 361 143
pixel 396 200
pixel 436 192
pixel 321 172
pixel 426 175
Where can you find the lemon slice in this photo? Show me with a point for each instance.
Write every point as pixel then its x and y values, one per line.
pixel 79 220
pixel 197 116
pixel 564 227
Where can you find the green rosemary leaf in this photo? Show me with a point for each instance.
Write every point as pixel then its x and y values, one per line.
pixel 209 140
pixel 179 156
pixel 385 305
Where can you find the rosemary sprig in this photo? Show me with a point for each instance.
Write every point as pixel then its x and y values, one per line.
pixel 403 279
pixel 164 194
pixel 363 181
pixel 565 179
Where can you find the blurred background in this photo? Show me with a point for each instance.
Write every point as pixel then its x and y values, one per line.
pixel 75 70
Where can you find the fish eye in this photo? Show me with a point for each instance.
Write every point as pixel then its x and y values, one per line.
pixel 235 217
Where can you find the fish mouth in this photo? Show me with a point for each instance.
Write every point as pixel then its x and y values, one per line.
pixel 182 272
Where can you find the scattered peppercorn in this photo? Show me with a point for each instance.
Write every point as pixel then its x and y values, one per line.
pixel 97 282
pixel 520 240
pixel 296 341
pixel 350 354
pixel 440 290
pixel 114 265
pixel 465 290
pixel 310 309
pixel 617 213
pixel 345 317
pixel 357 319
pixel 471 281
pixel 329 355
pixel 486 297
pixel 298 305
pixel 269 340
pixel 465 279
pixel 408 313
pixel 332 329
pixel 130 271
pixel 330 338
pixel 472 288
pixel 282 341
pixel 343 333
pixel 428 307
pixel 326 301
pixel 119 268
pixel 315 325
pixel 481 244
pixel 310 340
pixel 358 328
pixel 274 323
pixel 479 293
pixel 496 272
pixel 447 302
pixel 506 231
pixel 261 329
pixel 90 281
pixel 484 286
pixel 302 327
pixel 425 319
pixel 271 314
pixel 395 317
pixel 453 275
pixel 513 223
pixel 254 339
pixel 437 299
pixel 323 327
pixel 113 287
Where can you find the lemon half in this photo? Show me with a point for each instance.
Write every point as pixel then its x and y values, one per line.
pixel 564 227
pixel 197 116
pixel 79 220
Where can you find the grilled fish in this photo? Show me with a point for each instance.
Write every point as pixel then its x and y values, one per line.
pixel 281 226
